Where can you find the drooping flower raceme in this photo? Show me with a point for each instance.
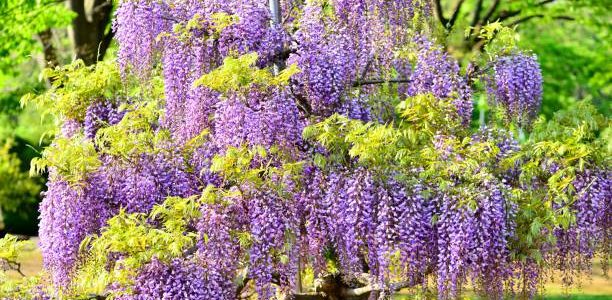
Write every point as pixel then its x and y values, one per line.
pixel 516 87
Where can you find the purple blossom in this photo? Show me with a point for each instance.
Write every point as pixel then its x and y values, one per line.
pixel 100 114
pixel 437 73
pixel 516 87
pixel 179 279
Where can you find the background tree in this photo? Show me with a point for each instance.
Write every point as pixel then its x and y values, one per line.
pixel 34 35
pixel 91 29
pixel 570 37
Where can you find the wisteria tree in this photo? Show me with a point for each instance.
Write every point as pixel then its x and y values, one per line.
pixel 317 149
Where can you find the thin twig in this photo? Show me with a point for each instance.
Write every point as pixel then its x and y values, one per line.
pixel 477 11
pixel 490 12
pixel 527 18
pixel 380 81
pixel 439 12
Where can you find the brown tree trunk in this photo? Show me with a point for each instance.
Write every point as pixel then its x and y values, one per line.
pixel 89 28
pixel 50 55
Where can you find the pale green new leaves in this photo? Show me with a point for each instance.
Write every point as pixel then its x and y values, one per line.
pixel 74 87
pixel 139 240
pixel 428 115
pixel 253 166
pixel 72 158
pixel 574 140
pixel 184 30
pixel 134 134
pixel 386 145
pixel 571 141
pixel 12 251
pixel 11 248
pixel 239 74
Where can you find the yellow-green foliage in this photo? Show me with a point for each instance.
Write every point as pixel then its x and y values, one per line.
pixel 136 237
pixel 575 139
pixel 239 74
pixel 220 21
pixel 135 133
pixel 253 166
pixel 184 30
pixel 418 119
pixel 74 87
pixel 499 38
pixel 426 114
pixel 71 158
pixel 11 252
pixel 572 141
pixel 11 248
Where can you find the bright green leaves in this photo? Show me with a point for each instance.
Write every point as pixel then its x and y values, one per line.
pixel 371 143
pixel 135 133
pixel 76 86
pixel 12 251
pixel 176 212
pixel 425 113
pixel 569 143
pixel 254 167
pixel 11 248
pixel 218 22
pixel 387 145
pixel 240 74
pixel 21 21
pixel 458 158
pixel 235 165
pixel 549 161
pixel 72 158
pixel 139 240
pixel 331 134
pixel 375 143
pixel 221 21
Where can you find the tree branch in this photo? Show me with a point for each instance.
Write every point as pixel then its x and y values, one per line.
pixel 380 81
pixel 507 14
pixel 106 41
pixel 504 15
pixel 331 287
pixel 46 39
pixel 453 18
pixel 545 2
pixel 439 13
pixel 12 265
pixel 527 18
pixel 477 11
pixel 489 12
pixel 301 101
pixel 103 12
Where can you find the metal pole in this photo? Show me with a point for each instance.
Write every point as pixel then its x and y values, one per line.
pixel 275 12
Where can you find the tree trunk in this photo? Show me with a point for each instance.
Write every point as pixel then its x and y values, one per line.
pixel 89 29
pixel 50 55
